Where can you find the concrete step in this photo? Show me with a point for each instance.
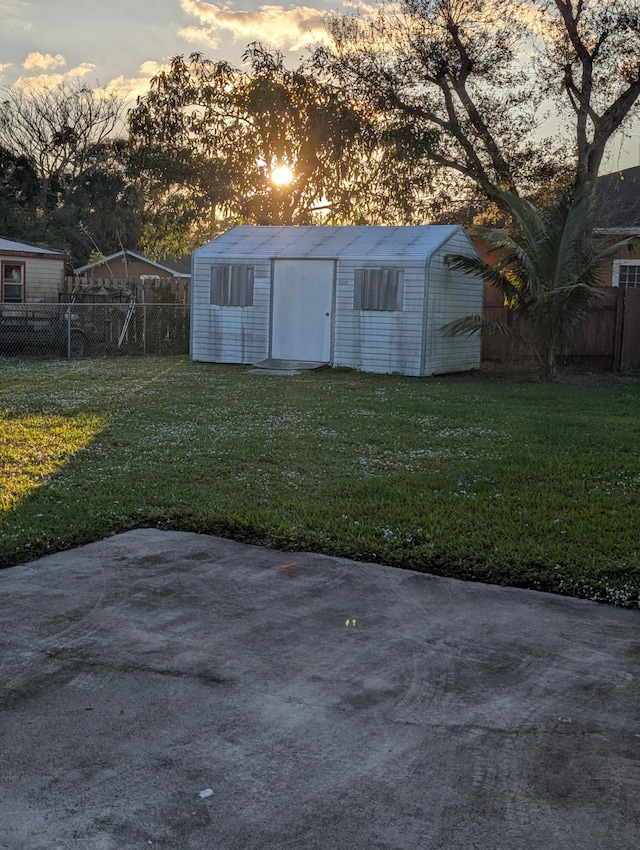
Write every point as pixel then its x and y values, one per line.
pixel 276 366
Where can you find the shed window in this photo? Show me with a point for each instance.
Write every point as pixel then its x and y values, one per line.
pixel 13 283
pixel 378 289
pixel 232 285
pixel 626 273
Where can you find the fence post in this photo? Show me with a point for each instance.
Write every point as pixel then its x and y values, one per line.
pixel 144 319
pixel 144 328
pixel 618 330
pixel 69 331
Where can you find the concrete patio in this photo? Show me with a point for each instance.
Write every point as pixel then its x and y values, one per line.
pixel 172 690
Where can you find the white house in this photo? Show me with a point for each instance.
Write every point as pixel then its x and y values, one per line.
pixel 30 273
pixel 370 298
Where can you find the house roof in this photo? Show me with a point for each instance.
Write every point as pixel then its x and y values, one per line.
pixel 618 202
pixel 10 246
pixel 175 268
pixel 328 242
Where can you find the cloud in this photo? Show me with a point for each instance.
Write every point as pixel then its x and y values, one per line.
pixel 44 81
pixel 43 61
pixel 289 28
pixel 80 70
pixel 130 88
pixel 151 68
pixel 50 81
pixel 11 12
pixel 4 67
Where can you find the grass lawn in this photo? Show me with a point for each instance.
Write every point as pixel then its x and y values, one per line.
pixel 488 478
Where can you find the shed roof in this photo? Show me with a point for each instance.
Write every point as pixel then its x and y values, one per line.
pixel 330 242
pixel 8 245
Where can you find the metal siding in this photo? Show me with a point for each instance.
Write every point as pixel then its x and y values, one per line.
pixel 229 334
pixel 43 278
pixel 452 294
pixel 379 341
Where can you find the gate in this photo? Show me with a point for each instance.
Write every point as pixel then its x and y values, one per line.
pixel 627 355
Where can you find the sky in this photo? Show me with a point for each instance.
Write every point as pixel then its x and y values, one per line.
pixel 121 44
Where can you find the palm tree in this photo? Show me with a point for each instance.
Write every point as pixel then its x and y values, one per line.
pixel 546 271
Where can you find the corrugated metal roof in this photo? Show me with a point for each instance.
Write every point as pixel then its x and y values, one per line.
pixel 323 242
pixel 10 245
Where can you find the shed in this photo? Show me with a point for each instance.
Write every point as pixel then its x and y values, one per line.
pixel 370 298
pixel 30 273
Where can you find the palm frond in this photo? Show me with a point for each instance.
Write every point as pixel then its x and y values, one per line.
pixel 567 226
pixel 477 323
pixel 547 273
pixel 499 276
pixel 605 253
pixel 530 222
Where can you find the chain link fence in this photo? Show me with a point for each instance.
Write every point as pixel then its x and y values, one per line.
pixel 75 330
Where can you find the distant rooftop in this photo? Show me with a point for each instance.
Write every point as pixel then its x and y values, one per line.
pixel 175 268
pixel 23 248
pixel 618 200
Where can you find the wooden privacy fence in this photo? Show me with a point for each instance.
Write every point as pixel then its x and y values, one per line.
pixel 609 340
pixel 169 290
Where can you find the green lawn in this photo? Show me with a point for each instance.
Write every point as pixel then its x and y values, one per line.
pixel 489 478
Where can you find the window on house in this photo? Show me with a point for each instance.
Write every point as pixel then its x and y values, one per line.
pixel 626 273
pixel 232 285
pixel 13 283
pixel 378 289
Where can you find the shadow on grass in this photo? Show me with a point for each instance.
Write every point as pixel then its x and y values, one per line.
pixel 455 477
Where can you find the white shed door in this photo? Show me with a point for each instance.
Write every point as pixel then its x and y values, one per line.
pixel 301 319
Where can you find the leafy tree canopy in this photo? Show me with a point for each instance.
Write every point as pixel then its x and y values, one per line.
pixel 207 140
pixel 63 179
pixel 478 79
pixel 57 128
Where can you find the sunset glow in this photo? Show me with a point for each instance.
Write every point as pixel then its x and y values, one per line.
pixel 282 175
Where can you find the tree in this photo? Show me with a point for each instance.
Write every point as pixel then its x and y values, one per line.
pixel 107 206
pixel 19 193
pixel 208 140
pixel 455 73
pixel 56 129
pixel 186 185
pixel 546 273
pixel 63 177
pixel 593 50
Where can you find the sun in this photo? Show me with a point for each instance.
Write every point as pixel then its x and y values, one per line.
pixel 282 175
